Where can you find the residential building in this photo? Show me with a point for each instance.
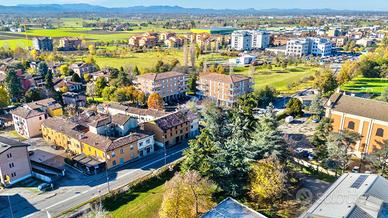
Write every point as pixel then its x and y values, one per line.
pixel 341 41
pixel 224 89
pixel 229 207
pixel 113 126
pixel 279 40
pixel 365 42
pixel 241 41
pixel 14 161
pixel 103 150
pixel 70 44
pixel 367 117
pixel 353 195
pixel 244 40
pixel 169 130
pixel 309 46
pixel 142 115
pixel 165 36
pixel 134 41
pixel 43 43
pixel 27 122
pixel 28 118
pixel 48 106
pixel 74 99
pixel 148 41
pixel 173 42
pixel 334 32
pixel 60 83
pixel 243 60
pixel 81 68
pixel 170 85
pixel 260 39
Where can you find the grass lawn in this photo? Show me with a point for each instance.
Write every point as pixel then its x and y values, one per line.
pixel 279 78
pixel 144 204
pixel 369 85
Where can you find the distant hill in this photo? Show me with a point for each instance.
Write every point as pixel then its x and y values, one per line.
pixel 87 8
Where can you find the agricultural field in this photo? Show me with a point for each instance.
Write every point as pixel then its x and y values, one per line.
pixel 366 85
pixel 280 78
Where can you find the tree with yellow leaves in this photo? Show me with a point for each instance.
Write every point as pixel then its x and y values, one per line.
pixel 34 54
pixel 347 72
pixel 155 101
pixel 187 195
pixel 267 179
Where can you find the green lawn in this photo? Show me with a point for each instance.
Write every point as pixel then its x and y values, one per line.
pixel 280 78
pixel 144 204
pixel 369 85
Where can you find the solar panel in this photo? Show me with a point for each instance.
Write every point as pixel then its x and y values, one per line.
pixel 359 181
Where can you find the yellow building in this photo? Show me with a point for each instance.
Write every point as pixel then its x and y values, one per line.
pixel 48 105
pixel 76 139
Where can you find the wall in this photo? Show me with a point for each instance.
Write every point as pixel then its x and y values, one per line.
pixel 20 160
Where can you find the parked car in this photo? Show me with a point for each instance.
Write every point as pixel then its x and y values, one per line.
pixel 46 187
pixel 356 169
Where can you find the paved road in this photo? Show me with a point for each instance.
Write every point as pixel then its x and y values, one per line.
pixel 79 188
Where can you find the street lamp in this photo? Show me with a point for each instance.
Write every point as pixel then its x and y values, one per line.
pixel 165 155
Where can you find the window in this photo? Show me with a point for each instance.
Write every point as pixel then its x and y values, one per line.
pixel 148 141
pixel 380 132
pixel 141 144
pixel 11 165
pixel 121 151
pixel 9 155
pixel 113 154
pixel 13 174
pixel 131 147
pixel 114 163
pixel 351 125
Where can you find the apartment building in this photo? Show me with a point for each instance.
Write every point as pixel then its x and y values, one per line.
pixel 241 40
pixel 81 68
pixel 169 130
pixel 367 117
pixel 309 46
pixel 224 89
pixel 148 41
pixel 134 41
pixel 28 118
pixel 165 36
pixel 42 43
pixel 14 161
pixel 74 99
pixel 27 122
pixel 70 44
pixel 170 85
pixel 245 40
pixel 103 150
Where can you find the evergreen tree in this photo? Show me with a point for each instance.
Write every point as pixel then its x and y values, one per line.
pixel 136 71
pixel 316 106
pixel 267 139
pixel 13 84
pixel 319 138
pixel 49 80
pixel 42 69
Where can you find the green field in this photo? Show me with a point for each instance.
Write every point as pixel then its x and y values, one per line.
pixel 280 78
pixel 367 85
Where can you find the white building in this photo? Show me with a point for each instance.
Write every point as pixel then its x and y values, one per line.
pixel 245 40
pixel 309 46
pixel 245 59
pixel 241 40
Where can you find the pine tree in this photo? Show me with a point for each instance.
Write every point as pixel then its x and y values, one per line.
pixel 267 139
pixel 13 84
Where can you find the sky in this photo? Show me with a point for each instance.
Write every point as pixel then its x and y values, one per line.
pixel 219 4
